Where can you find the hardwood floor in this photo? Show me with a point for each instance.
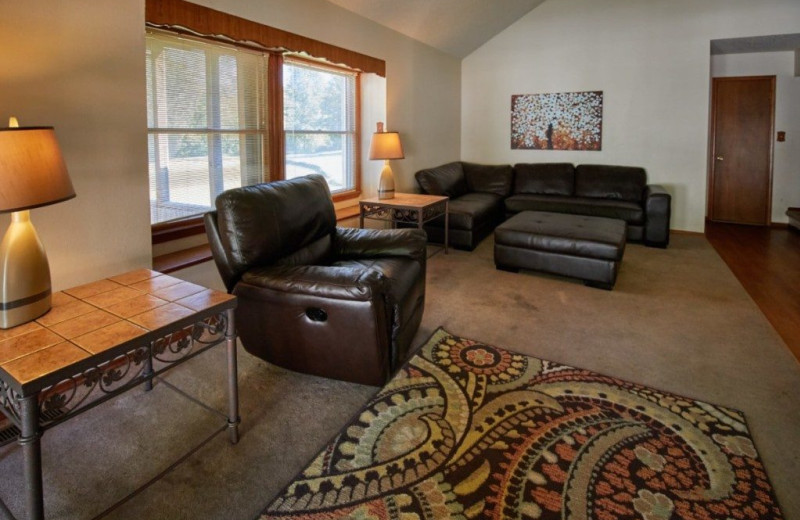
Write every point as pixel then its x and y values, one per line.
pixel 767 263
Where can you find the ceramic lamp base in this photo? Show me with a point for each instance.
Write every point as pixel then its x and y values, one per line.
pixel 386 183
pixel 24 274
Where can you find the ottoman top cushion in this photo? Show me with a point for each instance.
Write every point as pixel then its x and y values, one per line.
pixel 574 235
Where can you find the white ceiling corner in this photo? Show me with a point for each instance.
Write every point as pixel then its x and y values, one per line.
pixel 456 27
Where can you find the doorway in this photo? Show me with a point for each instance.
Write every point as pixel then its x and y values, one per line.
pixel 742 124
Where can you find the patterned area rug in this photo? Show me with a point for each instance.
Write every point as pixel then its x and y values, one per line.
pixel 468 430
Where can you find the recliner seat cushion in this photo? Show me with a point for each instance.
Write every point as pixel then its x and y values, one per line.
pixel 544 178
pixel 630 212
pixel 610 182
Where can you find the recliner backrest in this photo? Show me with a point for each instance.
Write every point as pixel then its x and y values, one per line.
pixel 285 222
pixel 610 182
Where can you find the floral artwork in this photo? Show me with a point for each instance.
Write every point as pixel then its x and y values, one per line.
pixel 563 121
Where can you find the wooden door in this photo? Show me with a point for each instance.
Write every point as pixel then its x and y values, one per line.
pixel 743 112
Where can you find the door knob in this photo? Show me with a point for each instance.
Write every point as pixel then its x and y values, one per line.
pixel 719 158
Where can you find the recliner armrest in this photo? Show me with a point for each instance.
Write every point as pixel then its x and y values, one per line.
pixel 657 207
pixel 341 283
pixel 372 243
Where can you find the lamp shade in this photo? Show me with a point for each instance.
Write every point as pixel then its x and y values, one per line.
pixel 32 170
pixel 386 145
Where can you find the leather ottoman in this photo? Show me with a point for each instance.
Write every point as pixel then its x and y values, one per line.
pixel 589 248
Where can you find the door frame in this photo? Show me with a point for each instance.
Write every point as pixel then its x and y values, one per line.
pixel 713 143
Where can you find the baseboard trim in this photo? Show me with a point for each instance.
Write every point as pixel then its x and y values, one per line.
pixel 683 232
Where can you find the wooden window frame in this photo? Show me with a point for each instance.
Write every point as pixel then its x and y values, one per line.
pixel 355 192
pixel 183 17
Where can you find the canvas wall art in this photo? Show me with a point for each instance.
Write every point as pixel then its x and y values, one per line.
pixel 563 121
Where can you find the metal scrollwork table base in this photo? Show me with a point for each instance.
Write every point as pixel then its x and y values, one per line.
pixel 98 341
pixel 407 208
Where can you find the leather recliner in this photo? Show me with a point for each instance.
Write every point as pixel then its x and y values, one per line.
pixel 341 303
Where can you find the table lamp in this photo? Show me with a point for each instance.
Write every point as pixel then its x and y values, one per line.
pixel 386 146
pixel 32 174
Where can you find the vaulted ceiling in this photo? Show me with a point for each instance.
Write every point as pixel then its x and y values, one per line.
pixel 456 27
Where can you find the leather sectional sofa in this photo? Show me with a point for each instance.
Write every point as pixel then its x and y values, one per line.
pixel 483 196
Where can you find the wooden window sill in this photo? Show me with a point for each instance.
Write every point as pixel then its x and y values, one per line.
pixel 171 262
pixel 182 259
pixel 346 213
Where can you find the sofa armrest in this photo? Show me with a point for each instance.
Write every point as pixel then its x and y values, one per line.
pixel 657 207
pixel 447 179
pixel 330 282
pixel 373 243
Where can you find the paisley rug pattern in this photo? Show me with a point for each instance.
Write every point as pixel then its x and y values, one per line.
pixel 467 430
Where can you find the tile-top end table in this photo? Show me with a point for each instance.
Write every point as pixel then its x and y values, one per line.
pixel 100 340
pixel 407 208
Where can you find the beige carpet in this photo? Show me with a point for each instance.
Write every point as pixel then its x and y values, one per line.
pixel 677 320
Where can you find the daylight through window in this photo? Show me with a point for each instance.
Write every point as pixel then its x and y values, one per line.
pixel 206 123
pixel 320 123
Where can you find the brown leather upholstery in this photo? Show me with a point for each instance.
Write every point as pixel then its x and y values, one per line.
pixel 589 248
pixel 618 192
pixel 334 302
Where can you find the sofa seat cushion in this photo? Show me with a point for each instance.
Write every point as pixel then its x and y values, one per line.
pixel 630 212
pixel 472 210
pixel 573 235
pixel 407 285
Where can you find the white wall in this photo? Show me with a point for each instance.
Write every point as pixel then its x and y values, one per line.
pixel 651 59
pixel 79 66
pixel 786 157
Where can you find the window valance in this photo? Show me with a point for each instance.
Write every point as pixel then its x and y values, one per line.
pixel 182 16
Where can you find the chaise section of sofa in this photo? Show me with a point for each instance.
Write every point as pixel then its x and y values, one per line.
pixel 482 196
pixel 476 194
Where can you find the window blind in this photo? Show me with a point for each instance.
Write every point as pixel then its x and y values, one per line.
pixel 206 120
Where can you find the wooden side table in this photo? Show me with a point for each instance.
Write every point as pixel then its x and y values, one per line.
pixel 100 340
pixel 407 208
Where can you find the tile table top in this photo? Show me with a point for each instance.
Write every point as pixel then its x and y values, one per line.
pixel 93 318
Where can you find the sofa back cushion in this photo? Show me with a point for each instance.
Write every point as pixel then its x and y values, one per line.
pixel 610 182
pixel 544 178
pixel 447 179
pixel 484 178
pixel 278 222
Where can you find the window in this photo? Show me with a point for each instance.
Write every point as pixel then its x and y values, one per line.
pixel 206 119
pixel 320 123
